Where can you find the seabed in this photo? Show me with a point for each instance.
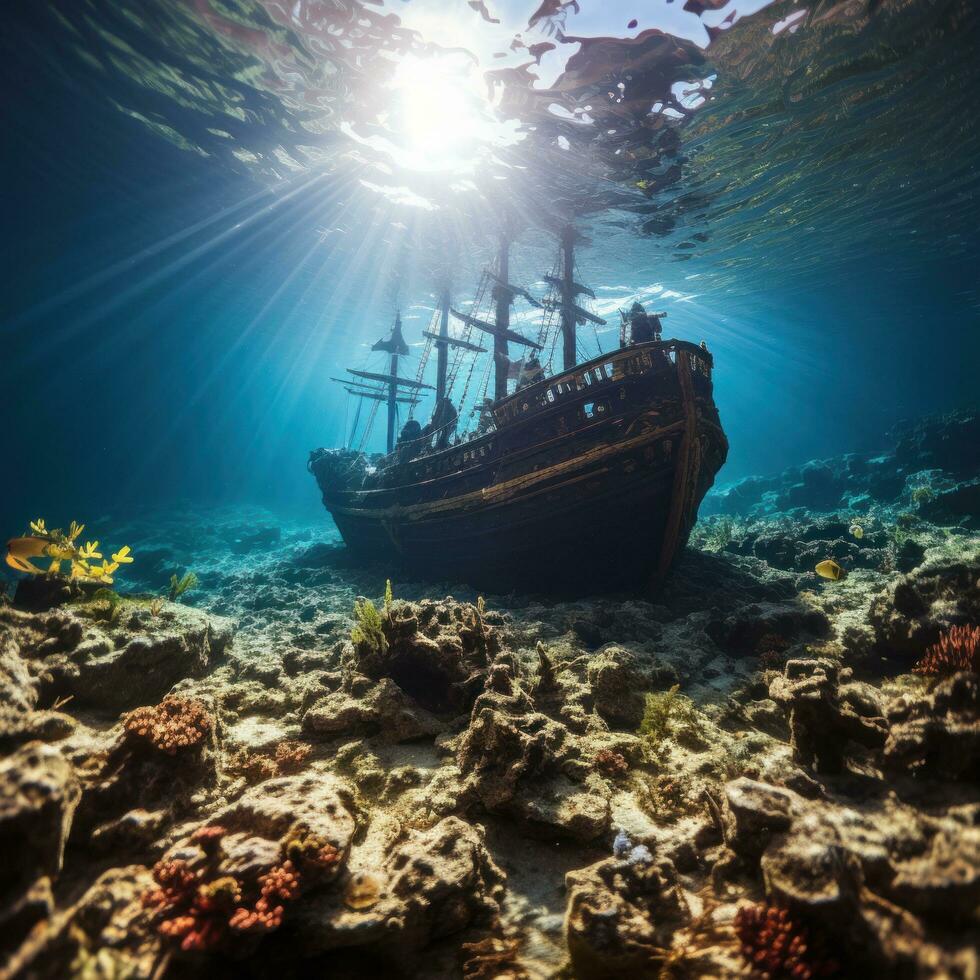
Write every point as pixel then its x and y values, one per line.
pixel 296 769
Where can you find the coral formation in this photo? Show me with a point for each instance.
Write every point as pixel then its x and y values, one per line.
pixel 957 649
pixel 171 726
pixel 778 947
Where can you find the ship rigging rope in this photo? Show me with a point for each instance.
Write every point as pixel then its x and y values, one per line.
pixel 424 359
pixel 368 426
pixel 460 352
pixel 357 418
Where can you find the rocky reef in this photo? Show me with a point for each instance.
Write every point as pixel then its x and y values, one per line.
pixel 295 771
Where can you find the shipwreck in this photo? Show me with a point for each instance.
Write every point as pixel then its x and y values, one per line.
pixel 587 475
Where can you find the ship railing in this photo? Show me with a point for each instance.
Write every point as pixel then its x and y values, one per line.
pixel 614 366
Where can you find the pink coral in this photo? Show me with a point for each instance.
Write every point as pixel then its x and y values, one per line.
pixel 957 649
pixel 174 724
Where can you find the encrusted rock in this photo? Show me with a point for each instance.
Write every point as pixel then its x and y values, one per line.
pixel 617 687
pixel 913 613
pixel 436 652
pixel 823 720
pixel 118 665
pixel 621 915
pixel 432 884
pixel 937 734
pixel 384 709
pixel 38 796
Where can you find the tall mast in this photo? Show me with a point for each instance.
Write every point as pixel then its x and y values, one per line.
pixel 568 318
pixel 397 343
pixel 568 290
pixel 442 349
pixel 504 298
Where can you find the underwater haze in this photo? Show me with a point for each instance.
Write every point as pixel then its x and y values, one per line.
pixel 208 211
pixel 491 489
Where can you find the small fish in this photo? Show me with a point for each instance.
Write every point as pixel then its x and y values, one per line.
pixel 632 24
pixel 829 569
pixel 857 531
pixel 21 550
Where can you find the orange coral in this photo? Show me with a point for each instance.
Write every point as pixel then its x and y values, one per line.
pixel 198 909
pixel 290 756
pixel 279 884
pixel 777 946
pixel 957 649
pixel 175 723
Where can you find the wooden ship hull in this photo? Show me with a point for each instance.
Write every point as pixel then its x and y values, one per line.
pixel 589 479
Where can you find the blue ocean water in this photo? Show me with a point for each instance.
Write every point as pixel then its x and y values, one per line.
pixel 209 210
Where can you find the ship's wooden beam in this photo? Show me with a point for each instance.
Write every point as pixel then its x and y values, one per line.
pixel 580 314
pixel 380 396
pixel 454 342
pixel 577 287
pixel 494 330
pixel 389 379
pixel 357 384
pixel 515 290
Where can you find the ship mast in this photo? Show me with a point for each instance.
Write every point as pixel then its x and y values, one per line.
pixel 568 322
pixel 442 347
pixel 443 341
pixel 501 350
pixel 385 387
pixel 503 297
pixel 568 291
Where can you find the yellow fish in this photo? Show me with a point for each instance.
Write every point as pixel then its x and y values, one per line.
pixel 828 568
pixel 21 550
pixel 857 531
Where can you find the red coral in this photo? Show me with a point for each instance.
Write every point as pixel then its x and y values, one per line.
pixel 208 838
pixel 612 764
pixel 175 723
pixel 184 907
pixel 290 756
pixel 279 884
pixel 957 649
pixel 771 651
pixel 776 946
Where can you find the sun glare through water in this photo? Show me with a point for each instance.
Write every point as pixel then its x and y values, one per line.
pixel 440 116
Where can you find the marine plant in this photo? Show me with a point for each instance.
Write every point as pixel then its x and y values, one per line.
pixel 957 649
pixel 105 605
pixel 714 535
pixel 61 548
pixel 171 726
pixel 178 586
pixel 775 945
pixel 367 633
pixel 668 713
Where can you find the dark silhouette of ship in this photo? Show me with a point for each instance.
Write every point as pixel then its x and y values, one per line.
pixel 589 477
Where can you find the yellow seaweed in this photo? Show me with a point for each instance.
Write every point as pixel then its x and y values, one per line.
pixel 61 547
